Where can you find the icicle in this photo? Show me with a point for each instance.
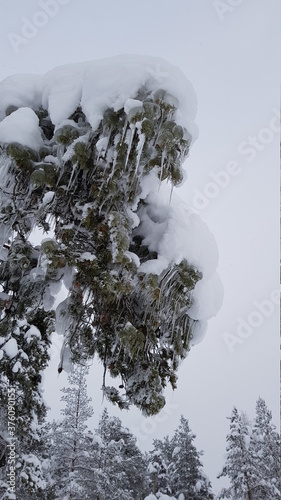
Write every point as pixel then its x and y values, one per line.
pixel 162 165
pixel 124 130
pixel 113 168
pixel 139 150
pixel 166 278
pixel 71 177
pixel 104 151
pixel 129 143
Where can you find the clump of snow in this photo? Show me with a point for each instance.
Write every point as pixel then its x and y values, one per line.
pixel 198 332
pixel 22 90
pixel 22 322
pixel 160 496
pixel 247 440
pixel 97 439
pixel 176 451
pixel 63 319
pixel 207 297
pixel 132 104
pixel 22 126
pixel 87 256
pixel 98 85
pixel 182 235
pixel 134 218
pixel 17 367
pixel 176 233
pixel 11 348
pixel 68 277
pixel 132 257
pixel 48 197
pixel 32 332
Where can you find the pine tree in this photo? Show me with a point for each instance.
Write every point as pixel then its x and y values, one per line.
pixel 84 189
pixel 265 449
pixel 25 355
pixel 239 466
pixel 253 457
pixel 67 442
pixel 161 466
pixel 187 477
pixel 119 469
pixel 175 467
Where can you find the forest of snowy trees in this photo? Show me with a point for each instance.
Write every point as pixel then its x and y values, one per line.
pixel 74 462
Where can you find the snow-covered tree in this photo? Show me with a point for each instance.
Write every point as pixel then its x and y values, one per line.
pixel 253 457
pixel 161 466
pixel 119 469
pixel 239 467
pixel 188 477
pixel 265 450
pixel 84 162
pixel 67 459
pixel 24 356
pixel 175 467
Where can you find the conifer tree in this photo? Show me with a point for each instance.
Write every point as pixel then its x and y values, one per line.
pixel 119 469
pixel 175 467
pixel 187 477
pixel 67 441
pixel 84 183
pixel 161 466
pixel 83 187
pixel 253 456
pixel 265 449
pixel 25 355
pixel 239 466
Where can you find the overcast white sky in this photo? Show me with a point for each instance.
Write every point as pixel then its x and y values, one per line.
pixel 231 56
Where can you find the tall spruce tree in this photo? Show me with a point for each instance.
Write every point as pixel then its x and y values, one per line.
pixel 265 450
pixel 175 467
pixel 187 477
pixel 253 457
pixel 67 442
pixel 22 363
pixel 119 469
pixel 161 466
pixel 239 467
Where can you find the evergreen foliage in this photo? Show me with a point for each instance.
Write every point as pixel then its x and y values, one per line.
pixel 79 464
pixel 119 469
pixel 83 188
pixel 67 465
pixel 175 468
pixel 85 185
pixel 265 449
pixel 253 457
